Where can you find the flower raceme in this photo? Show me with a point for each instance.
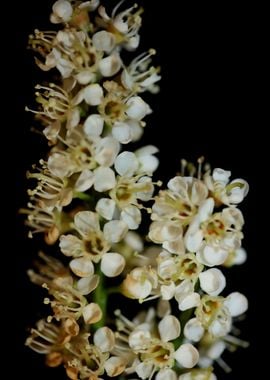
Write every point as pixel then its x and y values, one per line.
pixel 88 200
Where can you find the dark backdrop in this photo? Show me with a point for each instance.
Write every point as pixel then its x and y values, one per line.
pixel 211 103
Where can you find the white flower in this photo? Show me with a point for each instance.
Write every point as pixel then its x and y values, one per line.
pixel 91 243
pixel 214 315
pixel 229 193
pixel 124 25
pixel 137 76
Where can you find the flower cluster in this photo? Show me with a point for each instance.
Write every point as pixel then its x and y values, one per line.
pixel 91 194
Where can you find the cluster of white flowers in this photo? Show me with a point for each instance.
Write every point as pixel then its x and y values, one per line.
pixel 91 194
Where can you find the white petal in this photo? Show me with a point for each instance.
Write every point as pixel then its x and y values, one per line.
pixel 132 43
pixel 240 256
pixel 187 355
pixel 135 129
pixel 178 185
pixel 166 374
pixel 106 208
pixel 92 313
pixel 104 339
pixel 86 285
pixel 139 339
pixel 167 291
pixel 194 330
pixel 70 245
pixel 114 366
pixel 237 304
pixel 148 162
pixel 147 150
pixel 73 118
pixel 63 9
pixel 131 215
pixel 206 209
pixel 169 328
pixel 60 165
pixel 86 222
pixel 126 164
pixel 193 237
pixel 104 179
pixel 221 175
pixel 134 241
pixel 106 151
pixel 93 94
pixel 84 181
pixel 136 288
pixel 238 190
pixel 147 189
pixel 82 267
pixel 220 328
pixel 103 41
pixel 175 246
pixel 212 281
pixel 93 125
pixel 85 77
pixel 137 108
pixel 112 264
pixel 121 132
pixel 216 349
pixel 144 370
pixel 109 66
pixel 115 230
pixel 212 256
pixel 189 301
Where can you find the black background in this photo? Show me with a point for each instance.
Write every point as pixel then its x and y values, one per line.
pixel 212 103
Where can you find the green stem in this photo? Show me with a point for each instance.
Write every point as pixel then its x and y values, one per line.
pixel 82 196
pixel 100 296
